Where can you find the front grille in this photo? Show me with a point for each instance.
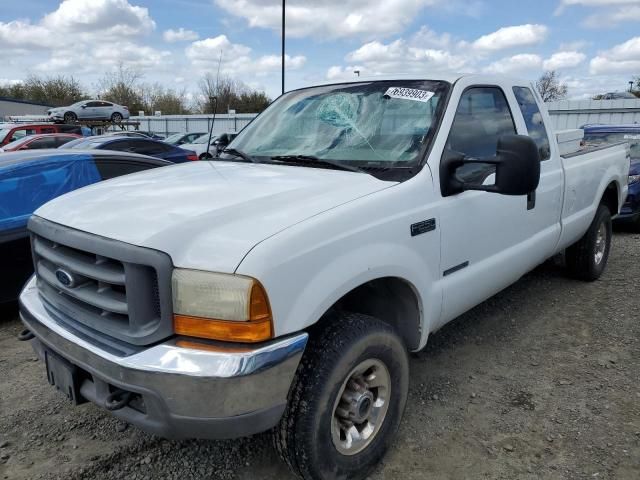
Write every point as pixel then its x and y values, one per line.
pixel 114 288
pixel 98 288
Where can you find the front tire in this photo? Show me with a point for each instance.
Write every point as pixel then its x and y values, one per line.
pixel 587 258
pixel 70 117
pixel 346 401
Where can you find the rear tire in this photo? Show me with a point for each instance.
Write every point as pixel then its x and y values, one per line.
pixel 354 375
pixel 70 117
pixel 587 258
pixel 116 117
pixel 205 156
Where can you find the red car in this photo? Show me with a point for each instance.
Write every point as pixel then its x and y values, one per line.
pixel 15 131
pixel 46 140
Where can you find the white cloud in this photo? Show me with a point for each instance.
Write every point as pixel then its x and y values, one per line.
pixel 520 64
pixel 236 58
pixel 93 32
pixel 611 18
pixel 330 18
pixel 560 60
pixel 622 58
pixel 110 17
pixel 398 56
pixel 509 37
pixel 180 35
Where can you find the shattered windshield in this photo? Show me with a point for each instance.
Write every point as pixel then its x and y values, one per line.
pixel 375 124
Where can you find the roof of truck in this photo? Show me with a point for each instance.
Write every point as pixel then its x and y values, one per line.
pixel 450 77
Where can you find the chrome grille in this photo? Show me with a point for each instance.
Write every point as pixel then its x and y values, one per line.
pixel 116 289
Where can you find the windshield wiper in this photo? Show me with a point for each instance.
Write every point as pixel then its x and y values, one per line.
pixel 240 154
pixel 311 160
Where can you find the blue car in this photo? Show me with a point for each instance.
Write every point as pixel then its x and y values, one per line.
pixel 29 179
pixel 141 145
pixel 606 134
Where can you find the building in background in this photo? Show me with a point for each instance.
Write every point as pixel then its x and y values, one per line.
pixel 11 106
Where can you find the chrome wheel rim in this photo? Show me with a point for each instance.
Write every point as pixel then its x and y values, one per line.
pixel 361 407
pixel 601 243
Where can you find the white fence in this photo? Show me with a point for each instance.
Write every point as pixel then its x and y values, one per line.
pixel 168 124
pixel 576 113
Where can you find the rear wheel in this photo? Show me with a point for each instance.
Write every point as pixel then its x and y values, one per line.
pixel 587 258
pixel 70 117
pixel 347 399
pixel 205 156
pixel 116 117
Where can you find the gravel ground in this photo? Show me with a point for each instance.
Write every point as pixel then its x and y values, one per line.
pixel 540 382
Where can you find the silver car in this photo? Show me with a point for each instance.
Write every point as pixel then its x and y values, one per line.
pixel 89 110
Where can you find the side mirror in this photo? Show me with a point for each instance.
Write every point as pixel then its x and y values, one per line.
pixel 83 106
pixel 517 163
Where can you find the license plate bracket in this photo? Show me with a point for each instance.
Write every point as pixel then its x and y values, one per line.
pixel 63 375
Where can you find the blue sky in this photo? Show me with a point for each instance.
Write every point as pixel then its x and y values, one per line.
pixel 593 44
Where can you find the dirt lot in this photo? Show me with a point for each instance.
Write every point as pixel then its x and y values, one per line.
pixel 542 381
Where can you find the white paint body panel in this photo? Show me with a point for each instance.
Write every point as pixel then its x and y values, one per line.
pixel 312 235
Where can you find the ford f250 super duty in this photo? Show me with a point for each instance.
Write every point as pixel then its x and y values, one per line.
pixel 281 286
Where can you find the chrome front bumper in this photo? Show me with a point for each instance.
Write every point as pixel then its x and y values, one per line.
pixel 186 393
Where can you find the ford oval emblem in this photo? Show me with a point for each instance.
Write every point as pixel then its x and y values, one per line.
pixel 65 278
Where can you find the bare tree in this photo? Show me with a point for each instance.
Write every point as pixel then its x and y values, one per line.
pixel 122 86
pixel 550 87
pixel 231 94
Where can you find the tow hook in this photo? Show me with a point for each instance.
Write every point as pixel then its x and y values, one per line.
pixel 26 335
pixel 117 400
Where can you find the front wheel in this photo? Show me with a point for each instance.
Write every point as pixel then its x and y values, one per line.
pixel 347 399
pixel 587 258
pixel 70 117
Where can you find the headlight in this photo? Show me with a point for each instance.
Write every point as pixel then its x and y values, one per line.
pixel 220 306
pixel 634 179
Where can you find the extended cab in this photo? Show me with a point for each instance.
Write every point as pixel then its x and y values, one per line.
pixel 283 284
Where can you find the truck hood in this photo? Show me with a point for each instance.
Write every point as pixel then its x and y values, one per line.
pixel 207 215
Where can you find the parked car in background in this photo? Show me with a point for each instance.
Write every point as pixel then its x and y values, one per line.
pixel 218 143
pixel 143 146
pixel 630 133
pixel 89 110
pixel 39 142
pixel 179 139
pixel 10 132
pixel 31 178
pixel 126 133
pixel 619 96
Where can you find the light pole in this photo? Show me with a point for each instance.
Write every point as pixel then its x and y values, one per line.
pixel 283 30
pixel 357 72
pixel 630 85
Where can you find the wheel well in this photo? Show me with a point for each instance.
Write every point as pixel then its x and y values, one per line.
pixel 391 300
pixel 610 198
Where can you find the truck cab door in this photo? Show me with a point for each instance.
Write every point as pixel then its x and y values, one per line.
pixel 489 240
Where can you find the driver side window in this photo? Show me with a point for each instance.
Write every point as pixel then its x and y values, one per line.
pixel 482 117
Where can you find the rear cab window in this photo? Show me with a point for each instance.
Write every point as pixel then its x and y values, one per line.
pixel 533 120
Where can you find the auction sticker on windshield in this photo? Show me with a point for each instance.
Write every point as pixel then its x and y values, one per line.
pixel 409 94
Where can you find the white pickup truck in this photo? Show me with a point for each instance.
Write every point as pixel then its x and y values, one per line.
pixel 282 285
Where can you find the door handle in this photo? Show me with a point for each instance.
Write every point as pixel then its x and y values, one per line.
pixel 531 200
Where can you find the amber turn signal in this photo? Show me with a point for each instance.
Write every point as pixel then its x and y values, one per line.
pixel 258 328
